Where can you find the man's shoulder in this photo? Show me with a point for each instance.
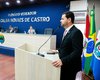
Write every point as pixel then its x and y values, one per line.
pixel 75 31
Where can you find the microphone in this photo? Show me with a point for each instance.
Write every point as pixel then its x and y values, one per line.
pixel 46 42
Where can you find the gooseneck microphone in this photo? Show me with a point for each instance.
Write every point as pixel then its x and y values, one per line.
pixel 46 42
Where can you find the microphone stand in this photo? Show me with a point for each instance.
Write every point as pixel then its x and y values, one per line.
pixel 46 42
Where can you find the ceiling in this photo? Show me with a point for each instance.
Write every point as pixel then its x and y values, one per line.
pixel 14 3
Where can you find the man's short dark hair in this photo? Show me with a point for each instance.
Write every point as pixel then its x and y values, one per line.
pixel 70 14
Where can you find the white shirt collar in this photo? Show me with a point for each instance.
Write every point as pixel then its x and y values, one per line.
pixel 69 28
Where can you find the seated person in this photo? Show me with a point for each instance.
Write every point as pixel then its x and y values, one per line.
pixel 31 30
pixel 1 29
pixel 10 30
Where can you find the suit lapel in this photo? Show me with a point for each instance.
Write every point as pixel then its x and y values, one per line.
pixel 68 33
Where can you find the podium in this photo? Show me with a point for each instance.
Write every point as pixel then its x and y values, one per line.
pixel 30 66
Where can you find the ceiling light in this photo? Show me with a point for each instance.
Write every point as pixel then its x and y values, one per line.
pixel 18 1
pixel 7 3
pixel 31 0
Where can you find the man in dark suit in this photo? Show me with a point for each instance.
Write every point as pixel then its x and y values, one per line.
pixel 70 49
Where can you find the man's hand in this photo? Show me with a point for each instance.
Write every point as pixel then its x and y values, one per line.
pixel 57 63
pixel 52 52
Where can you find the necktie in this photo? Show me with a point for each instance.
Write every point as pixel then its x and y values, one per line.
pixel 64 34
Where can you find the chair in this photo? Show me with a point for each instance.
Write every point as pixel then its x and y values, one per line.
pixel 79 75
pixel 15 29
pixel 2 30
pixel 48 31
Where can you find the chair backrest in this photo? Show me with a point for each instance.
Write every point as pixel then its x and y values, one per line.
pixel 79 75
pixel 15 29
pixel 48 31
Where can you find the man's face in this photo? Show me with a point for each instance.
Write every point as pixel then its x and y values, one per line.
pixel 64 21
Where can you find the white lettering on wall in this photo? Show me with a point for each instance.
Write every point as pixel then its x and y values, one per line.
pixel 22 14
pixel 24 17
pixel 27 19
pixel 40 19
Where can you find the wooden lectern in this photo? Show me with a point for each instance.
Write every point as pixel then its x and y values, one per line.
pixel 30 66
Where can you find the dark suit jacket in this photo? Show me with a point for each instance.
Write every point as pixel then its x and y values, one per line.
pixel 70 54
